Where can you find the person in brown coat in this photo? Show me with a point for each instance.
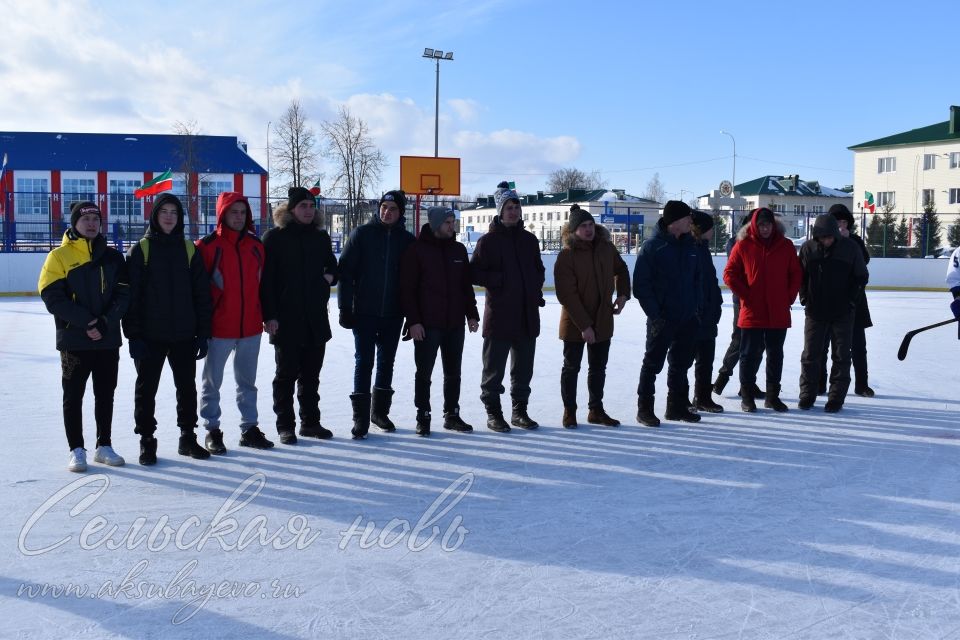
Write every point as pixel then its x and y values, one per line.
pixel 588 271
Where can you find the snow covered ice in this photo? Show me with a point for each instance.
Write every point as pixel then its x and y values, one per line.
pixel 800 525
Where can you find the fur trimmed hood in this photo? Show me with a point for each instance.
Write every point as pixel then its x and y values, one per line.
pixel 283 217
pixel 569 238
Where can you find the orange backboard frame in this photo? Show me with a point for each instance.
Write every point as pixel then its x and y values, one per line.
pixel 423 175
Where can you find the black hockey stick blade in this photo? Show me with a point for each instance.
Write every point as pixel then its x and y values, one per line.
pixel 902 353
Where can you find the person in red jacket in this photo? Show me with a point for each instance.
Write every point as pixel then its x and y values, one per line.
pixel 763 270
pixel 234 258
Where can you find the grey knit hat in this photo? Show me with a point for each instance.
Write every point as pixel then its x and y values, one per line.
pixel 577 217
pixel 503 195
pixel 436 216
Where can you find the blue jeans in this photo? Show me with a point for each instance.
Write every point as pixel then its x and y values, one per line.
pixel 374 336
pixel 246 352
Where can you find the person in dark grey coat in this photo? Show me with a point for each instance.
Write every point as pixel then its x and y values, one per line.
pixel 834 275
pixel 711 307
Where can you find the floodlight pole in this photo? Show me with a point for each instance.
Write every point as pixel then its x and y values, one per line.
pixel 436 116
pixel 727 133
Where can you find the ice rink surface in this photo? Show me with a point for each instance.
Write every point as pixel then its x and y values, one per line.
pixel 796 525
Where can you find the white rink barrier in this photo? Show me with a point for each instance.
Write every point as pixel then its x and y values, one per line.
pixel 19 272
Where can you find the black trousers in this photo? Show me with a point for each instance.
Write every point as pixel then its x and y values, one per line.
pixel 858 357
pixel 449 342
pixel 704 351
pixel 183 364
pixel 753 344
pixel 669 342
pixel 597 355
pixel 817 335
pixel 732 355
pixel 76 367
pixel 297 365
pixel 495 352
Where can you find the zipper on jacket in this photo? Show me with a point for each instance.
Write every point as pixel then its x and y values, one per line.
pixel 240 266
pixel 386 272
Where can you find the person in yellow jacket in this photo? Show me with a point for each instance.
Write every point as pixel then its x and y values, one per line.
pixel 83 283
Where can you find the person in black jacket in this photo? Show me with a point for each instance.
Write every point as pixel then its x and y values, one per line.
pixel 168 320
pixel 299 270
pixel 369 301
pixel 436 297
pixel 711 307
pixel 506 261
pixel 834 275
pixel 861 320
pixel 83 283
pixel 667 282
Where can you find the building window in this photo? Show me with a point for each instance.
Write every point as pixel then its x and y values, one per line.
pixel 955 160
pixel 817 208
pixel 887 199
pixel 927 198
pixel 799 209
pixel 779 208
pixel 550 216
pixel 77 190
pixel 886 165
pixel 954 196
pixel 929 161
pixel 123 206
pixel 32 197
pixel 209 190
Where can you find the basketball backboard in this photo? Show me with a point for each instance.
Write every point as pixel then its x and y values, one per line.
pixel 422 175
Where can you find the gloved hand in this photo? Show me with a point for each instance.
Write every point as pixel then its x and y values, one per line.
pixel 346 319
pixel 200 344
pixel 955 307
pixel 138 348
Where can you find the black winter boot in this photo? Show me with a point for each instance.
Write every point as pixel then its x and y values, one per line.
pixel 756 393
pixel 720 383
pixel 453 422
pixel 148 450
pixel 703 400
pixel 677 407
pixel 520 417
pixel 315 431
pixel 287 436
pixel 569 420
pixel 189 446
pixel 361 415
pixel 423 423
pixel 214 442
pixel 254 438
pixel 805 403
pixel 599 416
pixel 833 405
pixel 495 421
pixel 380 408
pixel 773 401
pixel 747 402
pixel 645 415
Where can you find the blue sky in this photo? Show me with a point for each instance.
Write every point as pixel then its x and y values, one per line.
pixel 626 89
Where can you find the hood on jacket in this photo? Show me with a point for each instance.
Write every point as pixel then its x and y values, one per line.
pixel 283 217
pixel 225 200
pixel 825 225
pixel 751 229
pixel 569 238
pixel 166 198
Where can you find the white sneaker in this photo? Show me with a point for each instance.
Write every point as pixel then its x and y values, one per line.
pixel 78 460
pixel 106 455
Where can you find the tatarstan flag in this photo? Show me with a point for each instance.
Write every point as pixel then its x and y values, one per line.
pixel 163 182
pixel 868 202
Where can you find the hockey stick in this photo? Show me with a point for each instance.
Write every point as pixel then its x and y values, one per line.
pixel 902 353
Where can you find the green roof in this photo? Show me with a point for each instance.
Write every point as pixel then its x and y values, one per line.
pixel 939 132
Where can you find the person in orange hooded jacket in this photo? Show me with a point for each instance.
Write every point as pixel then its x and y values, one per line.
pixel 763 270
pixel 234 258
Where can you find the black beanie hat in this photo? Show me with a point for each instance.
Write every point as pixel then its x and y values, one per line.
pixel 78 209
pixel 395 196
pixel 675 210
pixel 764 215
pixel 840 212
pixel 577 217
pixel 296 195
pixel 702 221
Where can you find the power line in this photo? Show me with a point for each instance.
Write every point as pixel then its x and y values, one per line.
pixel 794 164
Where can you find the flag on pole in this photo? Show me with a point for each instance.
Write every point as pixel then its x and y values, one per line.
pixel 163 182
pixel 3 185
pixel 512 185
pixel 868 202
pixel 315 189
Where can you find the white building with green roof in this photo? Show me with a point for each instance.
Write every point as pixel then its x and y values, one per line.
pixel 908 171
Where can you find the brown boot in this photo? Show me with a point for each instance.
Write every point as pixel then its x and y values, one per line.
pixel 569 418
pixel 599 416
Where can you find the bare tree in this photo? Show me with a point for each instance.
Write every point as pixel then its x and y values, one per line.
pixel 655 190
pixel 357 162
pixel 573 178
pixel 294 150
pixel 189 152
